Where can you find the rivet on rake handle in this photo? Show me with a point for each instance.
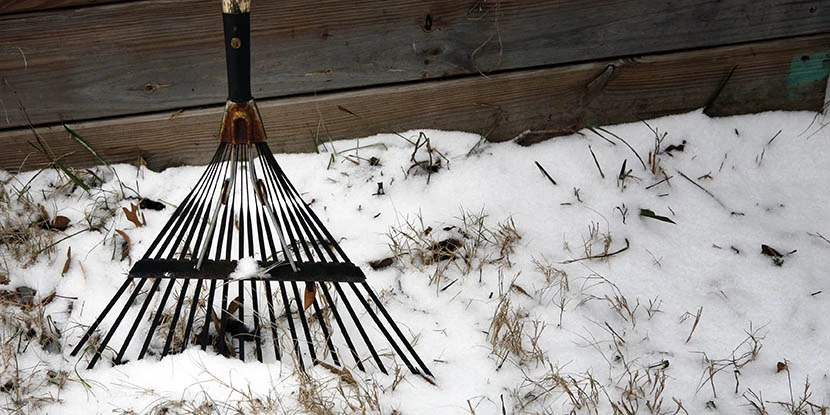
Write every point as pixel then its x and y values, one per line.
pixel 181 292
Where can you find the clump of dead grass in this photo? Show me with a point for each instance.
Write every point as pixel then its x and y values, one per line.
pixel 468 244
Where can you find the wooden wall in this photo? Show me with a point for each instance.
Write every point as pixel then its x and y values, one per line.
pixel 147 78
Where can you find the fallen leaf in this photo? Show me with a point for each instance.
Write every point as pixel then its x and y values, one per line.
pixel 650 214
pixel 310 293
pixel 445 249
pixel 381 263
pixel 60 223
pixel 343 373
pixel 151 204
pixel 68 260
pixel 770 251
pixel 676 147
pixel 125 251
pixel 132 216
pixel 234 305
pixel 520 290
pixel 781 366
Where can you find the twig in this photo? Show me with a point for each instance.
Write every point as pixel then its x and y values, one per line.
pixel 347 111
pixel 820 236
pixel 604 255
pixel 596 162
pixel 718 91
pixel 626 144
pixel 694 326
pixel 702 188
pixel 542 169
pixel 594 130
pixel 667 178
pixel 774 137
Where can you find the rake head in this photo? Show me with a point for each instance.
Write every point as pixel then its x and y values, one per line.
pixel 301 296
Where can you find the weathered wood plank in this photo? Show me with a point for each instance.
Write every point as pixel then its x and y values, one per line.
pixel 768 75
pixel 19 6
pixel 149 56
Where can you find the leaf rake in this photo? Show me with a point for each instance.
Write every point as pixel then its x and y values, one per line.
pixel 187 288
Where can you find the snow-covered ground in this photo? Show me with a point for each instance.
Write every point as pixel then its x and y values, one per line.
pixel 636 283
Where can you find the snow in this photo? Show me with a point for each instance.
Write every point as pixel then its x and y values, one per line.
pixel 626 317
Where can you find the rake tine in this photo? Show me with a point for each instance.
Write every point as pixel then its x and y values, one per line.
pixel 382 328
pixel 194 206
pixel 223 193
pixel 342 327
pixel 208 310
pixel 197 293
pixel 275 195
pixel 360 328
pixel 100 318
pixel 189 200
pixel 269 210
pixel 157 316
pixel 137 320
pixel 397 330
pixel 111 332
pixel 176 314
pixel 241 336
pixel 223 323
pixel 301 206
pixel 256 316
pixel 269 298
pixel 294 339
pixel 304 323
pixel 325 329
pixel 230 206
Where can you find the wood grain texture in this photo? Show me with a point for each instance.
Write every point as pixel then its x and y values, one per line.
pixel 20 6
pixel 157 55
pixel 768 76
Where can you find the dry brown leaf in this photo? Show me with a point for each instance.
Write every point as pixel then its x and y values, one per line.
pixel 125 252
pixel 520 290
pixel 381 263
pixel 770 251
pixel 60 223
pixel 233 307
pixel 310 293
pixel 68 260
pixel 343 373
pixel 132 216
pixel 781 366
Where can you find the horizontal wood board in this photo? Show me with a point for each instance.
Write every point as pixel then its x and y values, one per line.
pixel 22 6
pixel 785 74
pixel 116 59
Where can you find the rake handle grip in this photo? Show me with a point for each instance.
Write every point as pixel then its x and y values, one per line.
pixel 236 19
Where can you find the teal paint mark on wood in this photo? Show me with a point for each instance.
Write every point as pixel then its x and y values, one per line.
pixel 805 70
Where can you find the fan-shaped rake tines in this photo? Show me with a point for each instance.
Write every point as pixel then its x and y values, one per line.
pixel 245 266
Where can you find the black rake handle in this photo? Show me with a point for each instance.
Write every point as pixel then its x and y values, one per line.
pixel 236 18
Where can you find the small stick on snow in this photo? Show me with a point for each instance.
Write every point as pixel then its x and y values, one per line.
pixel 596 162
pixel 542 169
pixel 694 326
pixel 610 254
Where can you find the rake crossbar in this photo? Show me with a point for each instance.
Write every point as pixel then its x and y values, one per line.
pixel 190 287
pixel 319 272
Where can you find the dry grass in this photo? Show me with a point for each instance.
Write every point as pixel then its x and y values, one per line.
pixel 468 244
pixel 743 354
